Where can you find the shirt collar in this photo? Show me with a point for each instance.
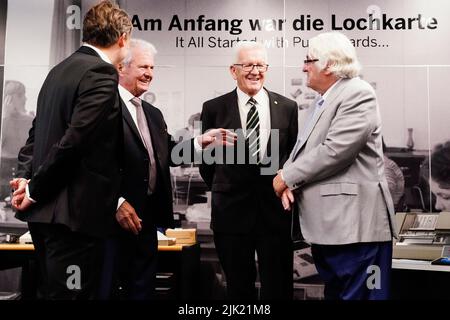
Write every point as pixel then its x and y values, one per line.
pixel 125 94
pixel 327 93
pixel 243 97
pixel 102 55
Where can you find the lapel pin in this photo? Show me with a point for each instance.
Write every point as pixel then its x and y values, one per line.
pixel 276 102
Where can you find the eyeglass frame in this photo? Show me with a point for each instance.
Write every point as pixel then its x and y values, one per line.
pixel 308 61
pixel 253 66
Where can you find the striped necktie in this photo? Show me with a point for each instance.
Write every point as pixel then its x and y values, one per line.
pixel 252 131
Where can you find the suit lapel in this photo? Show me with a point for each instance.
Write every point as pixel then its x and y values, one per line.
pixel 234 114
pixel 328 102
pixel 313 124
pixel 129 121
pixel 155 131
pixel 304 119
pixel 275 120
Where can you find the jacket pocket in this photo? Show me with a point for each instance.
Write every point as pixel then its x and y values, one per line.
pixel 332 189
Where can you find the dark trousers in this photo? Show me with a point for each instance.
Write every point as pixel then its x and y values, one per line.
pixel 275 265
pixel 357 271
pixel 69 262
pixel 130 264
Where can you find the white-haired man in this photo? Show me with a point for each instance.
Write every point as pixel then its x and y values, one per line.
pixel 247 217
pixel 335 173
pixel 145 193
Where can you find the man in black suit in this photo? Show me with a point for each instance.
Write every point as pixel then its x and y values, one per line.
pixel 146 194
pixel 70 164
pixel 247 217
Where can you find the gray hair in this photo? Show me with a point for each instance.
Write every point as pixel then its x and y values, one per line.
pixel 142 44
pixel 337 50
pixel 247 45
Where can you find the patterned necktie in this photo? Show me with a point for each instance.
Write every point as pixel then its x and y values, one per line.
pixel 146 138
pixel 252 130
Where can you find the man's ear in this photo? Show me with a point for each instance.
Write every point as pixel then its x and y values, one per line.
pixel 326 70
pixel 122 41
pixel 233 72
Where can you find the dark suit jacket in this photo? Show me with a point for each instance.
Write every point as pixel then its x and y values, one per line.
pixel 135 175
pixel 73 151
pixel 240 193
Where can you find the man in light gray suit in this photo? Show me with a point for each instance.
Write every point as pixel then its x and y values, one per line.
pixel 335 173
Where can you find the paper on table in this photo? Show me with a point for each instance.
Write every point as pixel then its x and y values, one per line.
pixel 164 240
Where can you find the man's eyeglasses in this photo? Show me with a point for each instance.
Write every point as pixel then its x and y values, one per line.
pixel 249 67
pixel 306 61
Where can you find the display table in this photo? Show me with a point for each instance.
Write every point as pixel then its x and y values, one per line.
pixel 178 269
pixel 416 279
pixel 421 265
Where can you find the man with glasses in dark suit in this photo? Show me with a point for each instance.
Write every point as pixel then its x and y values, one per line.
pixel 247 218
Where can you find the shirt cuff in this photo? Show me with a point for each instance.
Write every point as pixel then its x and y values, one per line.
pixel 197 145
pixel 282 177
pixel 27 193
pixel 289 176
pixel 119 203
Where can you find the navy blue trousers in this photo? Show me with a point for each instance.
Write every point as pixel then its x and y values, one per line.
pixel 357 271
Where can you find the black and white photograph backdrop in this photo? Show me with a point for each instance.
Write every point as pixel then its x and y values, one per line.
pixel 402 46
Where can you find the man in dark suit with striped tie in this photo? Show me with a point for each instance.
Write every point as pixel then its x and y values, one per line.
pixel 247 217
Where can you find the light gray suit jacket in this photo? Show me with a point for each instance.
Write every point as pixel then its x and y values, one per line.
pixel 337 172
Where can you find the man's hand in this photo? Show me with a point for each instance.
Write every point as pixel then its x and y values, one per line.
pixel 19 199
pixel 128 219
pixel 217 137
pixel 18 185
pixel 287 198
pixel 278 184
pixel 21 202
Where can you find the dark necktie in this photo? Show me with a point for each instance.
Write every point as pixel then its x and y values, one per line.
pixel 252 130
pixel 146 138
